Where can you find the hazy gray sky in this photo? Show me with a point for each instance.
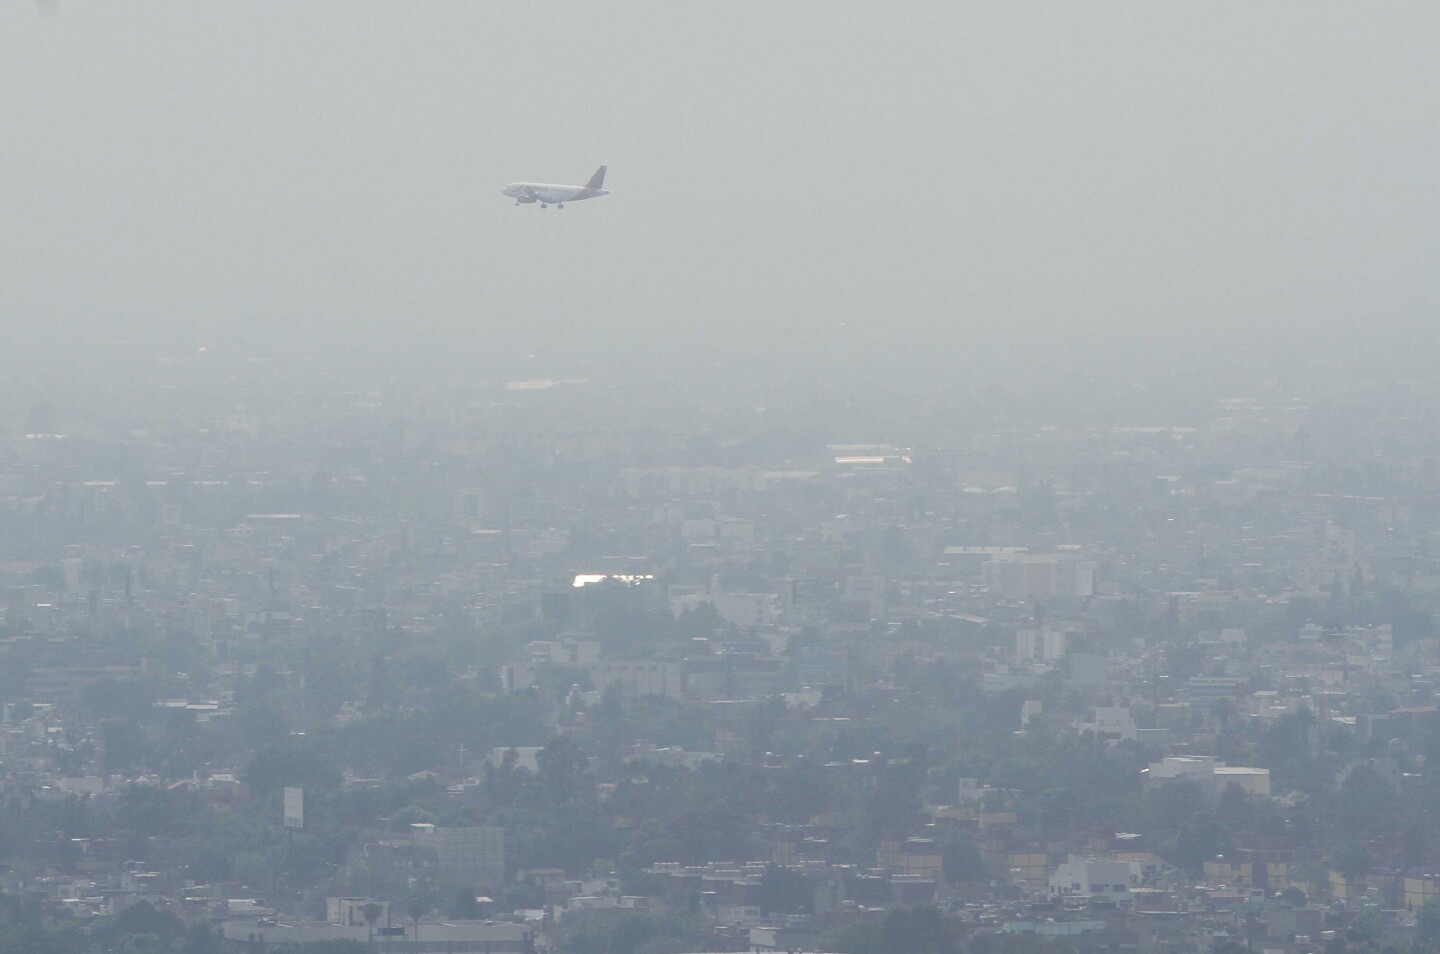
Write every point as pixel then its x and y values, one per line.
pixel 933 175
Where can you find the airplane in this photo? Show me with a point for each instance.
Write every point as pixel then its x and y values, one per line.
pixel 527 193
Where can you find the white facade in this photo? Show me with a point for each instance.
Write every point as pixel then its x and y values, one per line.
pixel 351 911
pixel 1095 877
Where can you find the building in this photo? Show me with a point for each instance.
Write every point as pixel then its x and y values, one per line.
pixel 466 857
pixel 1208 772
pixel 1252 781
pixel 1047 644
pixel 1210 691
pixel 350 912
pixel 1095 878
pixel 1266 871
pixel 1113 723
pixel 396 861
pixel 1420 890
pixel 914 857
pixel 1019 576
pixel 639 677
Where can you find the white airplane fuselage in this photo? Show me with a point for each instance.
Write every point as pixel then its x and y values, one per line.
pixel 546 193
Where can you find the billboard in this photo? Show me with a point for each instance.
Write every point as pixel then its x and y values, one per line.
pixel 294 808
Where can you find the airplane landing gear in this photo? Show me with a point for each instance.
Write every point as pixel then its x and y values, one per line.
pixel 559 205
pixel 544 206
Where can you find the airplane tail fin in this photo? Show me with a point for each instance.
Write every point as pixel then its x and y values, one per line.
pixel 597 181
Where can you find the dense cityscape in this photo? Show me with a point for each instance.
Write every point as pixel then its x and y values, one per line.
pixel 652 477
pixel 601 667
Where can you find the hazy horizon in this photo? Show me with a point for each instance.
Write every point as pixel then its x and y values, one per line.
pixel 1001 186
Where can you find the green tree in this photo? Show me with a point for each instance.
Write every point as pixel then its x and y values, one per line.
pixel 921 929
pixel 857 936
pixel 143 810
pixel 960 856
pixel 1022 944
pixel 372 912
pixel 141 929
pixel 200 938
pixel 26 926
pixel 1199 839
pixel 784 890
pixel 1427 927
pixel 617 932
pixel 1367 929
pixel 1353 860
pixel 123 746
pixel 1293 897
pixel 292 763
pixel 463 906
pixel 261 725
pixel 565 777
pixel 894 803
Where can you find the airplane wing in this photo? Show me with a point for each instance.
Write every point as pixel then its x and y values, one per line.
pixel 533 196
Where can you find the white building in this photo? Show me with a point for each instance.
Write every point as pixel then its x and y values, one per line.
pixel 1211 774
pixel 351 911
pixel 1047 644
pixel 1095 877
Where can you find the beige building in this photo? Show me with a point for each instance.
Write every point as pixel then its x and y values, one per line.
pixel 915 857
pixel 1420 890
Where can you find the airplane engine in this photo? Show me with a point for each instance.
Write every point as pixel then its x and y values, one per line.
pixel 524 200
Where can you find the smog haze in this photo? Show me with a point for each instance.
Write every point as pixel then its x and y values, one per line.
pixel 935 186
